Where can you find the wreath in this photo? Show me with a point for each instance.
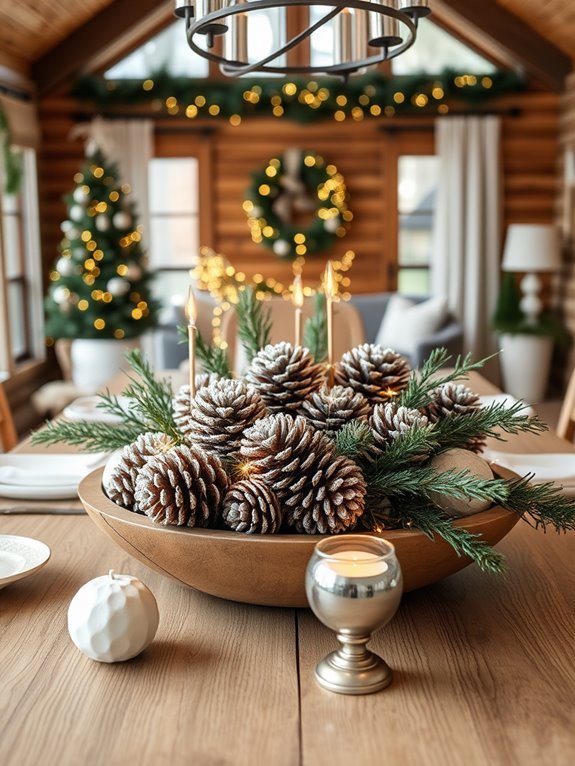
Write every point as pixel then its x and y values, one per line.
pixel 297 182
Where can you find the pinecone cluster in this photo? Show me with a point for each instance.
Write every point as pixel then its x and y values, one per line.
pixel 319 492
pixel 378 373
pixel 330 409
pixel 181 403
pixel 220 413
pixel 284 376
pixel 455 399
pixel 252 507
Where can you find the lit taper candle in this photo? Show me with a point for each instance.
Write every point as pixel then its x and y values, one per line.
pixel 297 298
pixel 191 316
pixel 329 296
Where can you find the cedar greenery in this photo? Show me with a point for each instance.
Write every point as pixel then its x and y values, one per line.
pixel 213 358
pixel 254 322
pixel 315 330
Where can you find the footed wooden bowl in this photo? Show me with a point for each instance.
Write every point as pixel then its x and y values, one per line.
pixel 265 569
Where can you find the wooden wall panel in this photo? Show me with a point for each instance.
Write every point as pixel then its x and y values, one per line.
pixel 364 152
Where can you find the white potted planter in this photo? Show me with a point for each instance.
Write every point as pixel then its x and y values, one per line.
pixel 96 360
pixel 525 365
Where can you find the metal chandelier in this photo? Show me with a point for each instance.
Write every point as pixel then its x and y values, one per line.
pixel 367 32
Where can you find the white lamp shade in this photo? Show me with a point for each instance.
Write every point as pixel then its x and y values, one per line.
pixel 531 247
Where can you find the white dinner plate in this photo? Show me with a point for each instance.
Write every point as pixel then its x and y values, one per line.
pixel 86 408
pixel 551 466
pixel 507 400
pixel 21 557
pixel 64 473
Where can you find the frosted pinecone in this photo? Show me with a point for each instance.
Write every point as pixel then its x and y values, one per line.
pixel 319 492
pixel 181 403
pixel 284 376
pixel 330 409
pixel 390 422
pixel 377 373
pixel 252 507
pixel 183 486
pixel 220 414
pixel 121 485
pixel 455 399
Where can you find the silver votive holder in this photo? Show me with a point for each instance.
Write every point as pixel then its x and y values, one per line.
pixel 354 586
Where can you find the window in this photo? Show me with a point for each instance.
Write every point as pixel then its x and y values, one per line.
pixel 174 223
pixel 321 41
pixel 21 267
pixel 167 51
pixel 266 32
pixel 436 50
pixel 417 191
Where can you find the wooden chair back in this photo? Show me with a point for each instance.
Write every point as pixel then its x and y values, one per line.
pixel 348 328
pixel 566 423
pixel 8 435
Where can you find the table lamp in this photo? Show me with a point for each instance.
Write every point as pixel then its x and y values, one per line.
pixel 531 248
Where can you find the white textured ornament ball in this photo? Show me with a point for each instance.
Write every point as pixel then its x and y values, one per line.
pixel 113 618
pixel 65 226
pixel 122 220
pixel 118 286
pixel 461 460
pixel 61 294
pixel 80 195
pixel 102 222
pixel 76 212
pixel 331 225
pixel 65 266
pixel 281 247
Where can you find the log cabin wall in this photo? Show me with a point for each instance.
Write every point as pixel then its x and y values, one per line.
pixel 565 284
pixel 366 153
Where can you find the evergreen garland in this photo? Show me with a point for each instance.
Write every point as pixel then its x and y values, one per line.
pixel 302 100
pixel 12 159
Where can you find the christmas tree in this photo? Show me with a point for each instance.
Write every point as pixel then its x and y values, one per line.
pixel 99 286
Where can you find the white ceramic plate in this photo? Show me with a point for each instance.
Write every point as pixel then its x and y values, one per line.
pixel 72 468
pixel 507 400
pixel 20 557
pixel 552 466
pixel 86 408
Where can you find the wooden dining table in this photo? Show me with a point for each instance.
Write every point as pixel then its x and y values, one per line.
pixel 484 669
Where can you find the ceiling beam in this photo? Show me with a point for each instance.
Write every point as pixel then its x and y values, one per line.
pixel 502 29
pixel 86 44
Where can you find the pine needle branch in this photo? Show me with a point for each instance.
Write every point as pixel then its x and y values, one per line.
pixel 458 429
pixel 91 437
pixel 431 521
pixel 153 397
pixel 542 503
pixel 213 359
pixel 422 382
pixel 403 450
pixel 354 440
pixel 315 330
pixel 254 322
pixel 425 481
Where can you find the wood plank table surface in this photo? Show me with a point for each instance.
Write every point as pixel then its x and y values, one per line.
pixel 484 671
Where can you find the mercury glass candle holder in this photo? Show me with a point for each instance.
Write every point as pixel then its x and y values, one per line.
pixel 354 586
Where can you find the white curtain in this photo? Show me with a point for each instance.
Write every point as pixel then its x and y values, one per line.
pixel 130 144
pixel 467 228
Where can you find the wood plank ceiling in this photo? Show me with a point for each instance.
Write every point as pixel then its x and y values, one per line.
pixel 28 29
pixel 553 19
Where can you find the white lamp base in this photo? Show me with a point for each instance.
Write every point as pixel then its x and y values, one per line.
pixel 525 365
pixel 530 303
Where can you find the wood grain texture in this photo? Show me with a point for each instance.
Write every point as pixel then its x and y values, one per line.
pixel 217 686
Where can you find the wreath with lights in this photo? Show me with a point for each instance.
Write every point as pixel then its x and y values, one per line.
pixel 297 182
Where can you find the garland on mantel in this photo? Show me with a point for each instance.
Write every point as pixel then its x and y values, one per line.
pixel 301 100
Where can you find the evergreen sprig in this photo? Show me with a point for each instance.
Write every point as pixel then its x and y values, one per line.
pixel 543 503
pixel 354 440
pixel 403 450
pixel 315 330
pixel 254 322
pixel 213 358
pixel 458 429
pixel 424 381
pixel 431 521
pixel 91 437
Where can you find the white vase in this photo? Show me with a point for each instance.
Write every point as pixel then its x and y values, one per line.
pixel 95 361
pixel 525 365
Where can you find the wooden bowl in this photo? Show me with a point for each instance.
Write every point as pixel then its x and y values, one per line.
pixel 265 569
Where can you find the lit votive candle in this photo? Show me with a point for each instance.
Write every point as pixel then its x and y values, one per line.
pixel 354 586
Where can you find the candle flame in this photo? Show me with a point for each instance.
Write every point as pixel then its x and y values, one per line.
pixel 330 287
pixel 191 308
pixel 297 294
